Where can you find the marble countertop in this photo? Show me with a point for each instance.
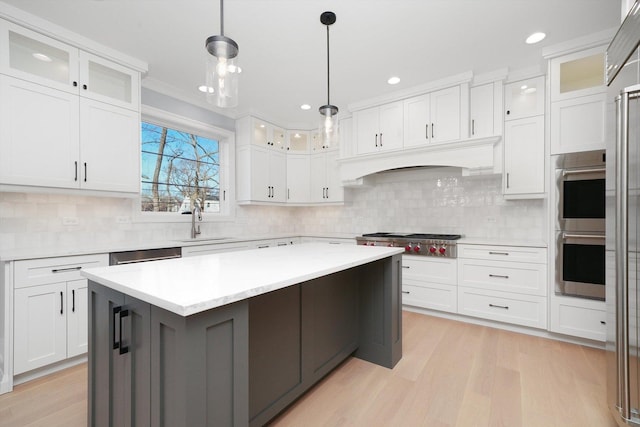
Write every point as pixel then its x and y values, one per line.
pixel 187 286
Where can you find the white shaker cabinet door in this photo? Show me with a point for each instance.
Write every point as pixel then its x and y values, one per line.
pixel 39 138
pixel 445 115
pixel 367 130
pixel 524 156
pixel 77 317
pixel 110 153
pixel 40 336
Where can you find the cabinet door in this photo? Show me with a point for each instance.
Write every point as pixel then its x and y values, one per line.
pixel 298 141
pixel 524 156
pixel 367 124
pixel 391 125
pixel 318 172
pixel 524 98
pixel 106 81
pixel 417 121
pixel 260 133
pixel 77 317
pixel 578 124
pixel 259 171
pixel 481 106
pixel 278 138
pixel 40 336
pixel 110 154
pixel 39 140
pixel 278 176
pixel 298 178
pixel 445 115
pixel 335 190
pixel 33 57
pixel 578 74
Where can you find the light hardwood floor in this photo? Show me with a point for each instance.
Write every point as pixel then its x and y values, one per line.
pixel 451 374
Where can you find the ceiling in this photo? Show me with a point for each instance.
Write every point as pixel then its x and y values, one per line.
pixel 283 44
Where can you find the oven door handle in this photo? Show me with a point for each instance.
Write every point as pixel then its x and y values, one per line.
pixel 566 236
pixel 582 171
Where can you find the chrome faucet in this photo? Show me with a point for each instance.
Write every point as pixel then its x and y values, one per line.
pixel 196 211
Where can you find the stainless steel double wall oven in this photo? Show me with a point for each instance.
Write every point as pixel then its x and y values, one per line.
pixel 580 224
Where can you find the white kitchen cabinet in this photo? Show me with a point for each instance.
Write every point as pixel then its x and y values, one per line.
pixel 577 74
pixel 325 179
pixel 298 178
pixel 432 118
pixel 262 133
pixel 429 282
pixel 524 156
pixel 578 317
pixel 261 175
pixel 578 124
pixel 524 98
pixel 485 110
pixel 503 283
pixel 31 56
pixel 379 128
pixel 297 142
pixel 50 310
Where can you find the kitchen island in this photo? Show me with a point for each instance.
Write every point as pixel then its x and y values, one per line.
pixel 234 338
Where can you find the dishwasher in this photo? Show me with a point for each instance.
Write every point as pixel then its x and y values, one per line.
pixel 144 255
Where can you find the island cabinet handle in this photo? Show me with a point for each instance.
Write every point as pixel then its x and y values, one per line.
pixel 64 270
pixel 117 344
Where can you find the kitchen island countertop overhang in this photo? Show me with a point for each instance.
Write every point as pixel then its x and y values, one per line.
pixel 188 286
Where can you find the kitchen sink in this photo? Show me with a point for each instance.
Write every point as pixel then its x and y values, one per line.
pixel 203 239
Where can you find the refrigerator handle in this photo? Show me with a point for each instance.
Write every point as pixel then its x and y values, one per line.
pixel 622 247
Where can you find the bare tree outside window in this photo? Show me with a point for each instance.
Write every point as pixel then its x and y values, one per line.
pixel 178 168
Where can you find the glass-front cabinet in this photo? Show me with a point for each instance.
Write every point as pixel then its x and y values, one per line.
pixel 267 135
pixel 298 141
pixel 577 74
pixel 524 98
pixel 33 57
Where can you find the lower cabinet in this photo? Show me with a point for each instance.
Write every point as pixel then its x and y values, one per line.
pixel 503 283
pixel 50 310
pixel 429 282
pixel 578 317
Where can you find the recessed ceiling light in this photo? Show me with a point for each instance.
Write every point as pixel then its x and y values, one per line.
pixel 205 89
pixel 305 107
pixel 42 57
pixel 535 38
pixel 393 80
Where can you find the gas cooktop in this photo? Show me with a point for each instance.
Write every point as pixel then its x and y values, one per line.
pixel 425 244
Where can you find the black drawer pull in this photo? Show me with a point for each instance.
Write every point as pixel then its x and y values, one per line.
pixel 406 266
pixel 61 303
pixel 406 292
pixel 500 276
pixel 73 300
pixel 116 344
pixel 603 322
pixel 65 270
pixel 498 253
pixel 123 348
pixel 506 307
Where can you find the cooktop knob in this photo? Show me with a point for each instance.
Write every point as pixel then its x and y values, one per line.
pixel 442 250
pixel 407 248
pixel 432 249
pixel 416 248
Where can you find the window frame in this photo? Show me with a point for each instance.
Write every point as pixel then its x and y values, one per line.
pixel 226 141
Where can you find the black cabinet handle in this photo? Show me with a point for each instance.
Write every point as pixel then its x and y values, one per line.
pixel 498 253
pixel 432 126
pixel 380 140
pixel 406 266
pixel 76 167
pixel 603 322
pixel 406 292
pixel 500 276
pixel 84 87
pixel 473 127
pixel 85 171
pixel 123 348
pixel 426 131
pixel 508 112
pixel 75 84
pixel 73 300
pixel 376 139
pixel 64 270
pixel 328 188
pixel 506 307
pixel 61 303
pixel 116 344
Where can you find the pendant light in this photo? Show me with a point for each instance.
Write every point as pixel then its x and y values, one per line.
pixel 328 112
pixel 222 70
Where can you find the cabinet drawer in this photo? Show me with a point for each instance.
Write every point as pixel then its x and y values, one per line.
pixel 50 270
pixel 438 270
pixel 520 277
pixel 430 295
pixel 585 319
pixel 503 253
pixel 518 309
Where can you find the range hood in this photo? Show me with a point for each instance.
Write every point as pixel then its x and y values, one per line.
pixel 480 155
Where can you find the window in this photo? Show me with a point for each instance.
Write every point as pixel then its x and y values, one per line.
pixel 182 165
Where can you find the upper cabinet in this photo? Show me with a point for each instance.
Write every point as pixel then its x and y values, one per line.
pixel 485 110
pixel 524 99
pixel 297 141
pixel 68 118
pixel 31 56
pixel 265 134
pixel 432 118
pixel 379 128
pixel 578 101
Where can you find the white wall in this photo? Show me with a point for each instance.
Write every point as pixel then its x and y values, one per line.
pixel 428 200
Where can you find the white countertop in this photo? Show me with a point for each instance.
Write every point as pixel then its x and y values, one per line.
pixel 187 286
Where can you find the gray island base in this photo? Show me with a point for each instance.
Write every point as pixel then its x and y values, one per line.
pixel 242 363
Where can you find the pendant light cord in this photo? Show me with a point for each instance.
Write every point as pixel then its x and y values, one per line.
pixel 222 17
pixel 328 73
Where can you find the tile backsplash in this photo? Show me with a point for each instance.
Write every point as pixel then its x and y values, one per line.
pixel 421 200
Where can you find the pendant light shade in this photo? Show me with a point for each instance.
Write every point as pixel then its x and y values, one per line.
pixel 222 69
pixel 328 112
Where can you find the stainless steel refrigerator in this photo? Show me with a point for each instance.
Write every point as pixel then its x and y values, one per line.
pixel 622 222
